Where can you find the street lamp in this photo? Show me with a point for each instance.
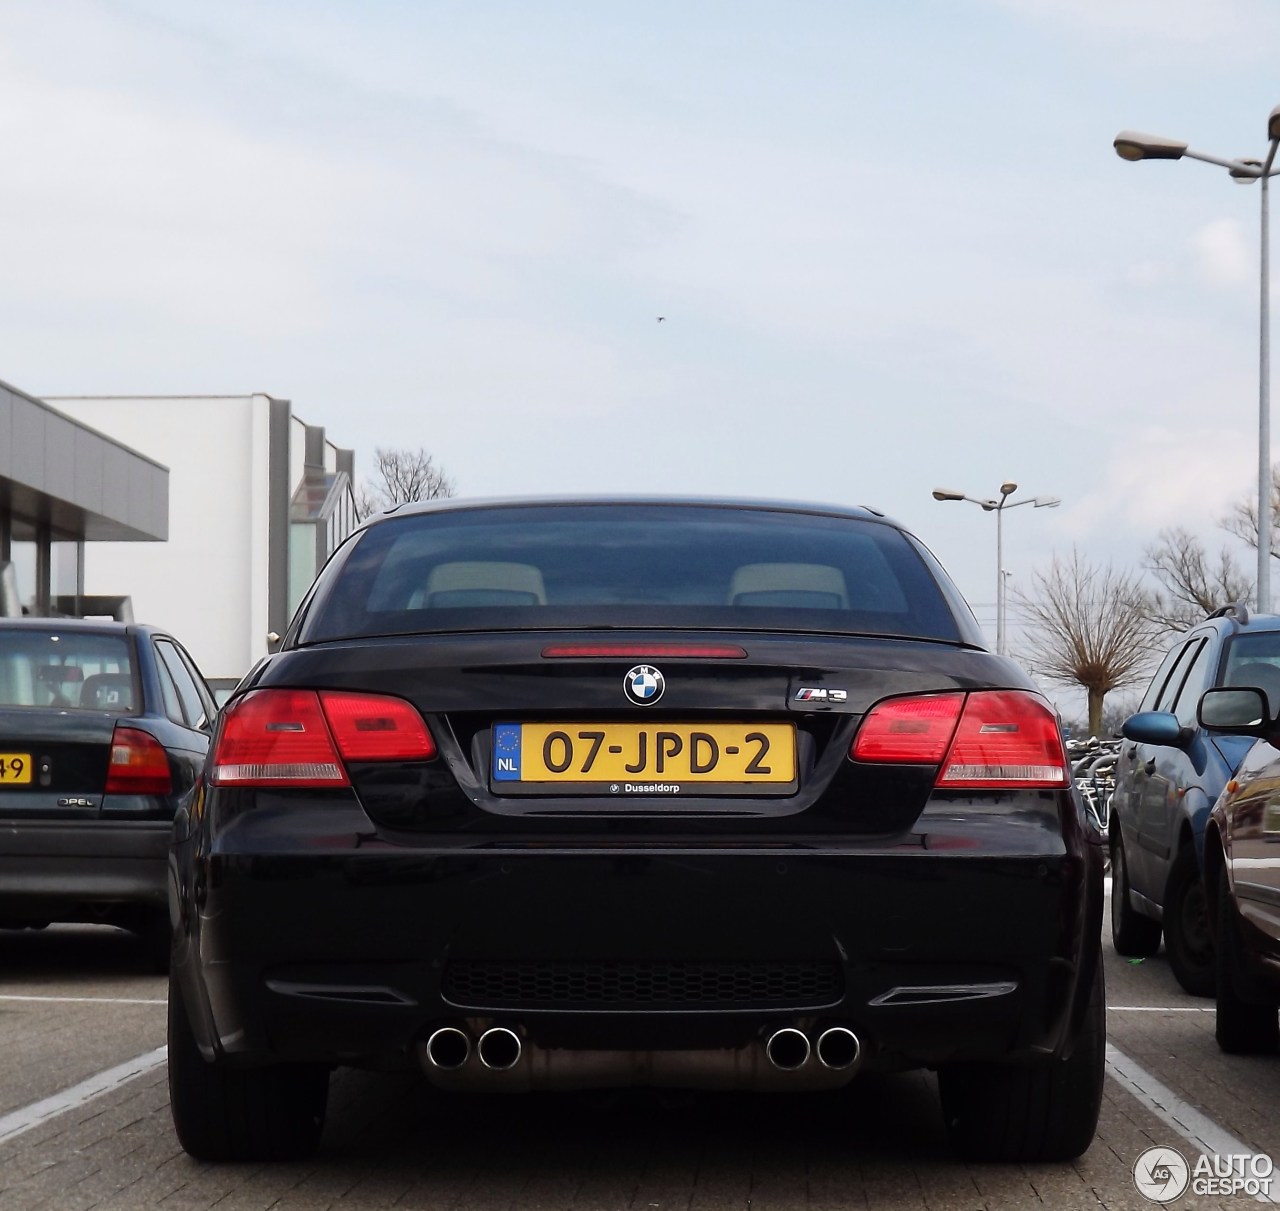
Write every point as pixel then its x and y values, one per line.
pixel 998 507
pixel 1130 145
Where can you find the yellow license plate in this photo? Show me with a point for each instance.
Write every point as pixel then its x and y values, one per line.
pixel 644 758
pixel 15 769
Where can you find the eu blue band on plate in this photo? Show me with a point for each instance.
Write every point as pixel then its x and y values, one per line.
pixel 506 752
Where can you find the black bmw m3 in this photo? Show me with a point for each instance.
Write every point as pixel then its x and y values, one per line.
pixel 554 794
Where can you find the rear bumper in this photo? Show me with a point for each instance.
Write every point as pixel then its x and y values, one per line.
pixel 82 870
pixel 354 956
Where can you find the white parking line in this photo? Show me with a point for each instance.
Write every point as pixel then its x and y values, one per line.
pixel 85 1000
pixel 24 1119
pixel 1202 1133
pixel 1158 1009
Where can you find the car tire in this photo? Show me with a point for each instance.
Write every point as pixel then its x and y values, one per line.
pixel 157 941
pixel 1132 934
pixel 1039 1111
pixel 1247 1024
pixel 1188 937
pixel 223 1113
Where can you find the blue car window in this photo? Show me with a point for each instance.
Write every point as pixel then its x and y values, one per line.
pixel 1159 681
pixel 1173 683
pixel 1198 678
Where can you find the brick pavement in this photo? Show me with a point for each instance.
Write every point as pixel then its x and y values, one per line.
pixel 391 1143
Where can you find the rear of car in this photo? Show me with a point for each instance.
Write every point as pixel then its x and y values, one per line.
pixel 91 770
pixel 591 793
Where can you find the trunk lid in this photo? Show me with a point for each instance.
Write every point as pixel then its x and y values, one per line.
pixel 54 762
pixel 473 690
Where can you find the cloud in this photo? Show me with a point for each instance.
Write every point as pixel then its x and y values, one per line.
pixel 1225 255
pixel 1157 477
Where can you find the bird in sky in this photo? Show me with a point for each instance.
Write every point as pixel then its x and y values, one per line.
pixel 662 319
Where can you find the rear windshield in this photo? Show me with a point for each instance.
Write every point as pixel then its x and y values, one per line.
pixel 557 566
pixel 74 670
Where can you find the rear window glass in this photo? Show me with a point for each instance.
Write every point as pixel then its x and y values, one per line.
pixel 628 565
pixel 73 670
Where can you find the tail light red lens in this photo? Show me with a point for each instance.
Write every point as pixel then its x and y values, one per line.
pixel 1006 738
pixel 283 737
pixel 276 738
pixel 138 764
pixel 914 730
pixel 374 727
pixel 981 740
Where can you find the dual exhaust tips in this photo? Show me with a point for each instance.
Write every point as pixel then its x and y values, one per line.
pixel 499 1048
pixel 836 1048
pixel 449 1047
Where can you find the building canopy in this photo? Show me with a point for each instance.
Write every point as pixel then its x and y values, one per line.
pixel 61 481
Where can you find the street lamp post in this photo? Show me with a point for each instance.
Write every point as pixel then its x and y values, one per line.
pixel 998 506
pixel 1130 145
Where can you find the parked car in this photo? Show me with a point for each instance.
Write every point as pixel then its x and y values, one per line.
pixel 1169 773
pixel 1242 870
pixel 564 794
pixel 103 730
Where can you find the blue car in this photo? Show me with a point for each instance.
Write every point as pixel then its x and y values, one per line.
pixel 1168 776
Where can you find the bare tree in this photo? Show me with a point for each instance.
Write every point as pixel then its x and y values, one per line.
pixel 1193 583
pixel 1117 709
pixel 1088 626
pixel 400 476
pixel 1242 519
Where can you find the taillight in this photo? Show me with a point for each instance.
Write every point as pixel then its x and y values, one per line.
pixel 1005 738
pixel 138 765
pixel 277 737
pixel 909 730
pixel 282 737
pixel 985 739
pixel 373 727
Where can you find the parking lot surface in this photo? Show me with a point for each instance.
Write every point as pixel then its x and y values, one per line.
pixel 84 1119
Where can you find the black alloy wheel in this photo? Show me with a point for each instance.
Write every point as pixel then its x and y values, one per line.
pixel 1132 934
pixel 1247 1020
pixel 1188 938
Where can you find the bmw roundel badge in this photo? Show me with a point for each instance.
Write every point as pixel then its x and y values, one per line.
pixel 644 685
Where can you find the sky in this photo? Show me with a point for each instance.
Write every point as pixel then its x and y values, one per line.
pixel 892 244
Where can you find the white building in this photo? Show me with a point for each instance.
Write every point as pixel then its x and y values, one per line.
pixel 257 501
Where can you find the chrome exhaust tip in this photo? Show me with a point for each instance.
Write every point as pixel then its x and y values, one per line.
pixel 838 1048
pixel 499 1048
pixel 787 1049
pixel 448 1048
